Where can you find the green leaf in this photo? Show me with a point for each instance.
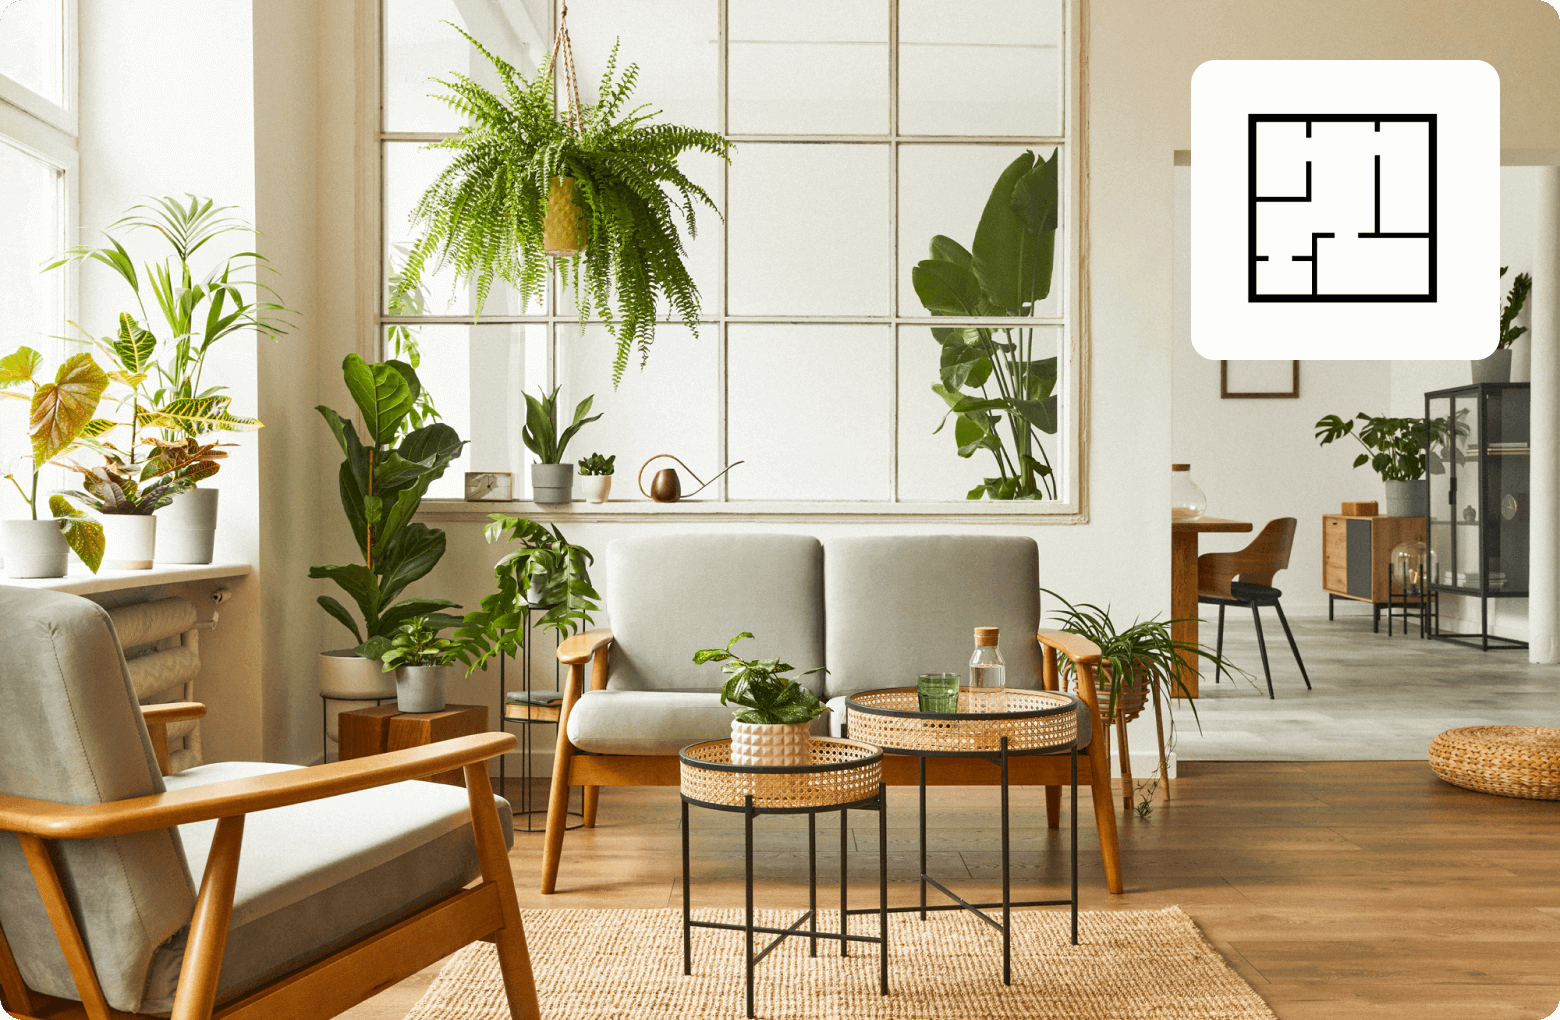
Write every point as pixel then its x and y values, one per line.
pixel 945 288
pixel 62 409
pixel 359 583
pixel 19 366
pixel 383 393
pixel 339 612
pixel 82 534
pixel 414 552
pixel 946 249
pixel 997 255
pixel 134 345
pixel 196 416
pixel 1039 413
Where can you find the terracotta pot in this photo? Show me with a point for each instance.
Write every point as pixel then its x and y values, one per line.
pixel 770 743
pixel 129 541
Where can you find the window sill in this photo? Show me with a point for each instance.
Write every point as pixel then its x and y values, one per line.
pixel 705 511
pixel 79 581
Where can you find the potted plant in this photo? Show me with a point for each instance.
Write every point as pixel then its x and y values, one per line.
pixel 774 729
pixel 1395 449
pixel 1497 367
pixel 60 414
pixel 171 392
pixel 995 385
pixel 551 480
pixel 382 482
pixel 546 573
pixel 596 477
pixel 597 186
pixel 422 662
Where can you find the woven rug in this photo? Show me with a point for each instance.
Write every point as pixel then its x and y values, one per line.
pixel 627 964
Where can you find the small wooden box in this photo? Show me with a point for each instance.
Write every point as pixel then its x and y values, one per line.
pixel 1359 509
pixel 386 728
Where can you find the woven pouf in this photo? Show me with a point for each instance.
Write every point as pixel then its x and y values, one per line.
pixel 1513 761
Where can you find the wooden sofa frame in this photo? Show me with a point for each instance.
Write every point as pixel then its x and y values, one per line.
pixel 593 771
pixel 487 911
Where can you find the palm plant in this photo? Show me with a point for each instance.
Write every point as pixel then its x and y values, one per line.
pixel 485 214
pixel 1006 272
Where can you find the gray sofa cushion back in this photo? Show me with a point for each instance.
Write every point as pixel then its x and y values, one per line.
pixel 71 732
pixel 900 605
pixel 668 596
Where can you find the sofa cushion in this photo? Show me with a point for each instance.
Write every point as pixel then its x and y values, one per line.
pixel 901 605
pixel 652 722
pixel 316 876
pixel 668 596
pixel 837 719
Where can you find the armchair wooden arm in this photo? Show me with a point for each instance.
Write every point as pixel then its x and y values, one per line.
pixel 580 647
pixel 157 719
pixel 1075 646
pixel 238 797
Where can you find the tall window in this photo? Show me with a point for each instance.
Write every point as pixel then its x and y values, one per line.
pixel 862 129
pixel 37 199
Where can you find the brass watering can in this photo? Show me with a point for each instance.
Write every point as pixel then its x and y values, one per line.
pixel 666 487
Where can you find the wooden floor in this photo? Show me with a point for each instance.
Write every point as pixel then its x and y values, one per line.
pixel 1355 890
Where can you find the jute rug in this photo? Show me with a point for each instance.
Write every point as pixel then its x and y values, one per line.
pixel 627 964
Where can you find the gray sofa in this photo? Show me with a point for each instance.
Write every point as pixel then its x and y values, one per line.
pixel 875 611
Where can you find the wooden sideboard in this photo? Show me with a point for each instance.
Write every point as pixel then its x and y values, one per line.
pixel 1356 555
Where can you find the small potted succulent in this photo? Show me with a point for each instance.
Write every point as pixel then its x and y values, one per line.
pixel 1496 368
pixel 423 663
pixel 596 477
pixel 779 711
pixel 552 481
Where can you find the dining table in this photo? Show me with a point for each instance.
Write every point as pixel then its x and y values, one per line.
pixel 1183 587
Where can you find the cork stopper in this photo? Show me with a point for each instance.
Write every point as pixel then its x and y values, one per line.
pixel 1180 467
pixel 985 637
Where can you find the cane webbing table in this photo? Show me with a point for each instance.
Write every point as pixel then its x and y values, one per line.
pixel 992 724
pixel 843 774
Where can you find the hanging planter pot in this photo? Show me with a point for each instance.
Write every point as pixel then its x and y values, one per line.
pixel 563 231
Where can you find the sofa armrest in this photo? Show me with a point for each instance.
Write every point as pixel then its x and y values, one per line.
pixel 49 820
pixel 580 647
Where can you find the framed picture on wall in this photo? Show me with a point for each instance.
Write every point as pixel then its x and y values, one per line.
pixel 1259 380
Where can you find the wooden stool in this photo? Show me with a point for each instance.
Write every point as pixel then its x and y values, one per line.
pixel 386 728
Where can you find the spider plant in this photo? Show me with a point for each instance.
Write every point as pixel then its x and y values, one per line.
pixel 485 214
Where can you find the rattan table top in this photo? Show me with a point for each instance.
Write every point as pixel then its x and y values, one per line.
pixel 1034 722
pixel 841 773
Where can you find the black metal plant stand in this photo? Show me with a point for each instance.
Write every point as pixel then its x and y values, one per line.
pixel 525 808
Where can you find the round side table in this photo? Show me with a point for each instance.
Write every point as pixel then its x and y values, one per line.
pixel 991 724
pixel 842 775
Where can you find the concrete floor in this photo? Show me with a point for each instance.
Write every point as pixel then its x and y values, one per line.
pixel 1374 697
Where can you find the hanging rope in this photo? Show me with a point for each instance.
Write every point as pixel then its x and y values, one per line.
pixel 574 112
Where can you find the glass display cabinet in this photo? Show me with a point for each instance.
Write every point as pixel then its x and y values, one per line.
pixel 1478 468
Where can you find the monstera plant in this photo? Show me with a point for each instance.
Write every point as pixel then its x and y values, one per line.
pixel 999 395
pixel 383 479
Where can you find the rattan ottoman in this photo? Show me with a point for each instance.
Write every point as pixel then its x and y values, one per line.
pixel 843 775
pixel 992 724
pixel 1512 761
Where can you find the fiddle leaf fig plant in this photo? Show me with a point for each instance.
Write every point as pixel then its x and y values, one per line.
pixel 383 479
pixel 758 687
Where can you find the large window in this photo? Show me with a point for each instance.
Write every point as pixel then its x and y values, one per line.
pixel 37 201
pixel 863 128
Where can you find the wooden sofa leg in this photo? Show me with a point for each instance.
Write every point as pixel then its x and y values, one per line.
pixel 1053 807
pixel 558 798
pixel 592 795
pixel 1105 814
pixel 514 959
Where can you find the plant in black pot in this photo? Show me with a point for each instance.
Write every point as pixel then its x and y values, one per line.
pixel 382 481
pixel 778 712
pixel 1395 448
pixel 552 481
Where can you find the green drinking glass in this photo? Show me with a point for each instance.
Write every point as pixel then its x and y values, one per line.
pixel 938 692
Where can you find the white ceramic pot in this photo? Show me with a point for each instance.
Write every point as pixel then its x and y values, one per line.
pixel 1494 369
pixel 188 528
pixel 552 483
pixel 347 676
pixel 33 548
pixel 1408 499
pixel 770 743
pixel 595 487
pixel 421 688
pixel 129 541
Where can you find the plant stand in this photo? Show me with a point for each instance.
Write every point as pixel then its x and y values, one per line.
pixel 844 774
pixel 525 716
pixel 993 725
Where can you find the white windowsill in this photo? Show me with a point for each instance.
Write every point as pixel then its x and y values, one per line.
pixel 690 511
pixel 80 581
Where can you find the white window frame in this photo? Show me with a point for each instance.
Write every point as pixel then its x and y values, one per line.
pixel 1072 380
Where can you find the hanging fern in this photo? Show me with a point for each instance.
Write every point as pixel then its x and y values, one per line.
pixel 483 216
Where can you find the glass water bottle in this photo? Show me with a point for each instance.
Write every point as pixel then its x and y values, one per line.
pixel 986 669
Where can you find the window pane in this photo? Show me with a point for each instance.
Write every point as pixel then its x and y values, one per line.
pixel 676 45
pixel 930 467
pixel 31 302
pixel 808 411
pixel 475 374
pixel 943 189
pixel 995 69
pixel 672 406
pixel 808 67
pixel 809 230
pixel 419 46
pixel 409 169
pixel 32 46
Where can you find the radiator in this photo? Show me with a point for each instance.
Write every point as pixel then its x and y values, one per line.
pixel 161 639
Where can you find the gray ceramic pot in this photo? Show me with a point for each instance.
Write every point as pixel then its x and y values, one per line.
pixel 1494 369
pixel 1408 499
pixel 552 483
pixel 421 688
pixel 187 527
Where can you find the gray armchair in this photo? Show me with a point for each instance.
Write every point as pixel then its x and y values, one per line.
pixel 320 886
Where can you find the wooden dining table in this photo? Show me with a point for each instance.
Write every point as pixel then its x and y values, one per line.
pixel 1183 586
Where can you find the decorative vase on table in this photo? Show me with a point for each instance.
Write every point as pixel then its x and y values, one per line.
pixel 1187 501
pixel 1494 369
pixel 421 688
pixel 189 527
pixel 33 548
pixel 1408 499
pixel 129 541
pixel 770 743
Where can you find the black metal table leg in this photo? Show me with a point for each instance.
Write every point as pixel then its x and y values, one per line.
pixel 687 897
pixel 747 817
pixel 844 885
pixel 1074 816
pixel 812 883
pixel 883 887
pixel 922 760
pixel 1007 895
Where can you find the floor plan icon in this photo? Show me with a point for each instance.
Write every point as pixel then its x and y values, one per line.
pixel 1342 207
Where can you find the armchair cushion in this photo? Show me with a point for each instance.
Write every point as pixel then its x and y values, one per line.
pixel 315 876
pixel 670 595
